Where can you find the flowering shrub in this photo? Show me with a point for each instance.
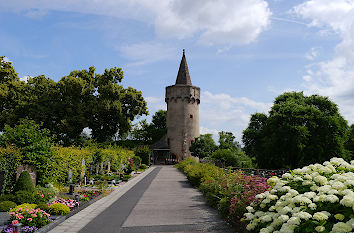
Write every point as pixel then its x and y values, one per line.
pixel 131 166
pixel 44 195
pixel 315 198
pixel 68 202
pixel 30 217
pixel 86 195
pixel 229 192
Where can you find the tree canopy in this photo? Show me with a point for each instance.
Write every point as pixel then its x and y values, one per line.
pixel 83 99
pixel 299 130
pixel 349 144
pixel 151 132
pixel 203 146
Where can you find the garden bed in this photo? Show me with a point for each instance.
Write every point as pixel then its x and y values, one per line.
pixel 60 219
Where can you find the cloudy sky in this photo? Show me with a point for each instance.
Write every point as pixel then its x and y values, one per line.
pixel 241 53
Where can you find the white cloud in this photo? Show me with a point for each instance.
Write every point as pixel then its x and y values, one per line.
pixel 211 21
pixel 155 104
pixel 216 21
pixel 227 113
pixel 214 132
pixel 312 54
pixel 333 77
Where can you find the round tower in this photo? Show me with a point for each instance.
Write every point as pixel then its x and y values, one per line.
pixel 182 101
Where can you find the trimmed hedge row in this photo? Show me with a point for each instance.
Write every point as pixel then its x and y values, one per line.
pixel 65 158
pixel 62 159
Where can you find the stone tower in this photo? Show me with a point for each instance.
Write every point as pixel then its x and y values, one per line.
pixel 182 101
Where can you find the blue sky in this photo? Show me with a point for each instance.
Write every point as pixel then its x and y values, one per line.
pixel 241 53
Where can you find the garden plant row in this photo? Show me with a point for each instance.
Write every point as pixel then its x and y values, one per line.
pixel 315 198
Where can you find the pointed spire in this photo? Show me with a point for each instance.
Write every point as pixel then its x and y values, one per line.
pixel 183 73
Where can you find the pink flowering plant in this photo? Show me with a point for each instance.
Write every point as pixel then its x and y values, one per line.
pixel 44 195
pixel 130 166
pixel 68 202
pixel 229 192
pixel 29 217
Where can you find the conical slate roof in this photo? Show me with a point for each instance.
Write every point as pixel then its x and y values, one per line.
pixel 183 73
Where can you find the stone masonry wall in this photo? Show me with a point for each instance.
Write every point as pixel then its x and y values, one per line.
pixel 182 118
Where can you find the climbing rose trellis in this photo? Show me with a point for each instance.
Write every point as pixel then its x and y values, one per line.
pixel 315 198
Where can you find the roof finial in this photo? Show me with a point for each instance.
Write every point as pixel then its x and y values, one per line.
pixel 183 52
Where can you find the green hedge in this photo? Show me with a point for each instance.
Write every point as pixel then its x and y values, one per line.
pixel 10 159
pixel 65 158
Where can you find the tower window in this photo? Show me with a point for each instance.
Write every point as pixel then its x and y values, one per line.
pixel 168 141
pixel 191 116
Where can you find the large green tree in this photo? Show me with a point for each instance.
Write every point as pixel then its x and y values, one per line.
pixel 11 94
pixel 83 99
pixel 151 132
pixel 227 141
pixel 298 131
pixel 349 144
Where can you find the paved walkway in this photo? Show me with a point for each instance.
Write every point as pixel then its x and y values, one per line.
pixel 159 200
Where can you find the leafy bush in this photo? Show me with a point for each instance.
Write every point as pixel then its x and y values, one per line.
pixel 29 217
pixel 7 197
pixel 25 197
pixel 130 167
pixel 44 195
pixel 144 153
pixel 315 197
pixel 10 159
pixel 34 143
pixel 59 209
pixel 6 205
pixel 226 156
pixel 24 182
pixel 86 195
pixel 197 172
pixel 44 207
pixel 126 177
pixel 137 161
pixel 143 166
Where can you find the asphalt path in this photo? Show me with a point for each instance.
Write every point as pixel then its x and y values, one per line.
pixel 163 201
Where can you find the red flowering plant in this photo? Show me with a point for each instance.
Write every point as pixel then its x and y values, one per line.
pixel 86 195
pixel 44 195
pixel 30 217
pixel 131 166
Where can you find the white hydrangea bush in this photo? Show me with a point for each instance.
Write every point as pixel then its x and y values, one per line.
pixel 315 198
